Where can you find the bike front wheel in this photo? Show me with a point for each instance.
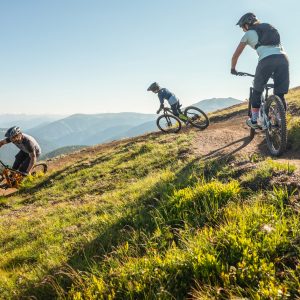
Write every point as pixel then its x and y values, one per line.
pixel 168 123
pixel 276 132
pixel 40 168
pixel 196 117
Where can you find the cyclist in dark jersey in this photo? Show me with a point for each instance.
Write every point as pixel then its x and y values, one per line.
pixel 164 94
pixel 273 61
pixel 29 149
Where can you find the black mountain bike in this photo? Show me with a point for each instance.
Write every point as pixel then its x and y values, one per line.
pixel 167 122
pixel 272 119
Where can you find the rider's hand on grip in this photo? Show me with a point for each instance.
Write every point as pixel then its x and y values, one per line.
pixel 234 72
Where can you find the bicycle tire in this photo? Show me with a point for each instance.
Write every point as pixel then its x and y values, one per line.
pixel 204 121
pixel 280 117
pixel 40 167
pixel 167 118
pixel 252 133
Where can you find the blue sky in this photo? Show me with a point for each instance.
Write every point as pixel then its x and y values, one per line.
pixel 93 56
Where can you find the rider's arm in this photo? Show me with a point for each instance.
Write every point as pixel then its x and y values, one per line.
pixel 3 142
pixel 240 48
pixel 161 100
pixel 32 161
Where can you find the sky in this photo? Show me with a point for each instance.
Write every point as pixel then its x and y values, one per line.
pixel 96 56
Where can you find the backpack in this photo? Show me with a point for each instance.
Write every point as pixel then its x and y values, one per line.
pixel 267 35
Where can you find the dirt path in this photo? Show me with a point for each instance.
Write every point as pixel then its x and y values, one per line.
pixel 232 137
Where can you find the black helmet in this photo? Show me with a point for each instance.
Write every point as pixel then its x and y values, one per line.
pixel 153 87
pixel 11 132
pixel 248 18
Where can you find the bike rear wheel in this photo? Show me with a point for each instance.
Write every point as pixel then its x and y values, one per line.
pixel 196 117
pixel 40 168
pixel 168 123
pixel 276 133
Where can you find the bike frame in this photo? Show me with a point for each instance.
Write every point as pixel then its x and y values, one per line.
pixel 12 181
pixel 263 119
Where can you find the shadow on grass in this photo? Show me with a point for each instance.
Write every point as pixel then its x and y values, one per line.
pixel 140 215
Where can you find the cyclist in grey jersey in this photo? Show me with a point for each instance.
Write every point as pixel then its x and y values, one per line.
pixel 29 149
pixel 273 61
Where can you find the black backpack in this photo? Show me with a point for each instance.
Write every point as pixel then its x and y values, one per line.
pixel 267 35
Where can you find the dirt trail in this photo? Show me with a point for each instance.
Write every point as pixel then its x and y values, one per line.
pixel 232 137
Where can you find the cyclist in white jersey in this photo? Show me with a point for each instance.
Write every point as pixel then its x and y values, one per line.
pixel 272 61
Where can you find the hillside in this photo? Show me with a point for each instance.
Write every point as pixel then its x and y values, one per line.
pixel 200 215
pixel 61 151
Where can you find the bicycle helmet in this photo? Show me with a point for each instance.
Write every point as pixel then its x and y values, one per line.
pixel 13 131
pixel 248 19
pixel 153 87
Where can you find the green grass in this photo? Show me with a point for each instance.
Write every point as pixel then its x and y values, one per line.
pixel 146 219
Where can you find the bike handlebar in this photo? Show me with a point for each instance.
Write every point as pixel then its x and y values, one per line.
pixel 244 74
pixel 248 74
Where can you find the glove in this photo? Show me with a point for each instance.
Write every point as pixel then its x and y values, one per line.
pixel 234 72
pixel 160 108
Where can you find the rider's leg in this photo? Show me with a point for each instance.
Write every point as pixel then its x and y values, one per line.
pixel 25 164
pixel 281 77
pixel 19 159
pixel 178 108
pixel 263 73
pixel 255 105
pixel 177 112
pixel 174 108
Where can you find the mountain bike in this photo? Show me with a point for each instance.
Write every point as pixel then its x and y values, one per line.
pixel 167 122
pixel 10 178
pixel 271 120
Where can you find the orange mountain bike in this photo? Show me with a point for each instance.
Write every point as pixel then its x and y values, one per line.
pixel 10 178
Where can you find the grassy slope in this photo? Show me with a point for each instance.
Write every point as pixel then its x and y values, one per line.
pixel 147 219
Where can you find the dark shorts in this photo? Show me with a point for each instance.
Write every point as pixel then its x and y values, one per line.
pixel 278 65
pixel 22 161
pixel 176 109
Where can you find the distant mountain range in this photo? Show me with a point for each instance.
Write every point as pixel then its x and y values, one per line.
pixel 27 121
pixel 214 104
pixel 54 133
pixel 81 129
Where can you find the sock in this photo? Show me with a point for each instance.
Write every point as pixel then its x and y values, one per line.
pixel 254 116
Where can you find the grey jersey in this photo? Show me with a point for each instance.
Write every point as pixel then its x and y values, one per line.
pixel 28 145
